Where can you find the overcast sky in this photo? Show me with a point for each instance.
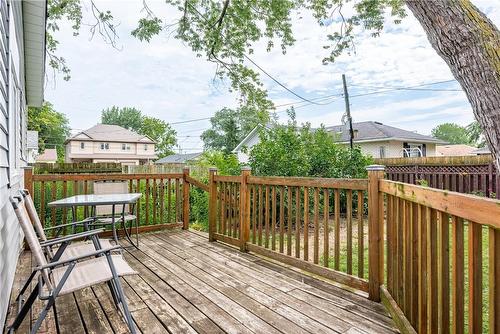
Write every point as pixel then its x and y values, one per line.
pixel 164 79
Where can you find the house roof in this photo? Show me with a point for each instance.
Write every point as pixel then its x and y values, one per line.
pixel 454 150
pixel 178 158
pixel 50 154
pixel 34 20
pixel 32 139
pixel 111 133
pixel 250 135
pixel 376 131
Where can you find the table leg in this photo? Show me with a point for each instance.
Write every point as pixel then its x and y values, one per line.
pixel 73 217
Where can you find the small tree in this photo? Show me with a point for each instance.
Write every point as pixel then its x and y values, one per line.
pixel 452 133
pixel 289 150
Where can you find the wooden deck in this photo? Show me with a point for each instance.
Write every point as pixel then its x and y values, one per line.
pixel 188 285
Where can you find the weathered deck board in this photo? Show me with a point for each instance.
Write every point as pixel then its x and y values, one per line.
pixel 188 285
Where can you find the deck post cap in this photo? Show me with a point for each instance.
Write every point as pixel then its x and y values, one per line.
pixel 212 169
pixel 243 168
pixel 374 168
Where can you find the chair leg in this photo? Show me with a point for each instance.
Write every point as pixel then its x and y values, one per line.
pixel 42 316
pixel 128 316
pixel 24 310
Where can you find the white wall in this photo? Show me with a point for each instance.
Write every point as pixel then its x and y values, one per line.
pixel 12 130
pixel 243 157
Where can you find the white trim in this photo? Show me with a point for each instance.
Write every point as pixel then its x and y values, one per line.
pixel 408 140
pixel 247 138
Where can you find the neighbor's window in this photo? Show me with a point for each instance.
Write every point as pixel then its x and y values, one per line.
pixel 382 151
pixel 124 147
pixel 104 146
pixel 82 145
pixel 145 147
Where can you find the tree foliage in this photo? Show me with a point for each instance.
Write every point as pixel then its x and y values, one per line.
pixel 230 126
pixel 155 128
pixel 475 134
pixel 289 150
pixel 452 133
pixel 52 126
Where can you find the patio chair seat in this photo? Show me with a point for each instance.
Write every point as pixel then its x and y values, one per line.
pixel 90 272
pixel 84 247
pixel 118 219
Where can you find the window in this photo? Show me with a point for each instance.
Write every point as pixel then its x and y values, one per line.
pixel 104 146
pixel 413 150
pixel 82 145
pixel 382 151
pixel 145 147
pixel 125 147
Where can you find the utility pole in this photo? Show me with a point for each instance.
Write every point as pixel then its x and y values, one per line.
pixel 348 112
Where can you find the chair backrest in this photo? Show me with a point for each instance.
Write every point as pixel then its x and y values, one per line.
pixel 33 215
pixel 104 188
pixel 31 238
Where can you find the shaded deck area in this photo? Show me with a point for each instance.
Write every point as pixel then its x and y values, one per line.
pixel 188 285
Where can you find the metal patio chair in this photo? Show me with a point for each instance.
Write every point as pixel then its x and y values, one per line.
pixel 72 249
pixel 61 277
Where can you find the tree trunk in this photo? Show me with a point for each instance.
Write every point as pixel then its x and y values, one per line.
pixel 470 44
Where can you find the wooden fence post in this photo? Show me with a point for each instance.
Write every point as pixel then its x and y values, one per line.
pixel 185 198
pixel 244 209
pixel 212 203
pixel 28 180
pixel 375 232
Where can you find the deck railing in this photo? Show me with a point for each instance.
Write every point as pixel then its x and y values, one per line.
pixel 428 251
pixel 164 201
pixel 431 256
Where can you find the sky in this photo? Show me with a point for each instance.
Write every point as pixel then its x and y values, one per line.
pixel 165 79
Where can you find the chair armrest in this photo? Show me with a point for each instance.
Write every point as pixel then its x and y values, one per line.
pixel 65 225
pixel 71 237
pixel 77 258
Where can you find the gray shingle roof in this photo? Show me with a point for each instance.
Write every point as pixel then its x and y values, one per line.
pixel 377 131
pixel 178 158
pixel 107 132
pixel 32 139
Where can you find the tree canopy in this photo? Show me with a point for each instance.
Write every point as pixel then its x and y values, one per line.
pixel 155 128
pixel 452 133
pixel 52 126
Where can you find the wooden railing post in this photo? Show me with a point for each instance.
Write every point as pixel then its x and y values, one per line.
pixel 185 198
pixel 375 232
pixel 212 203
pixel 244 209
pixel 28 179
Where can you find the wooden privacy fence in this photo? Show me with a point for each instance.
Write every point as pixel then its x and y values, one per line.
pixel 432 256
pixel 164 201
pixel 77 168
pixel 470 175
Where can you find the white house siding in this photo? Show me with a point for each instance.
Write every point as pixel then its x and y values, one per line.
pixel 12 137
pixel 243 157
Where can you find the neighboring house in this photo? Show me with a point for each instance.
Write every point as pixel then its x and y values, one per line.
pixel 454 150
pixel 374 138
pixel 481 151
pixel 110 143
pixel 49 156
pixel 22 63
pixel 179 159
pixel 32 146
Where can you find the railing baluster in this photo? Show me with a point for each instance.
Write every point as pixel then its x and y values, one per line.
pixel 42 203
pixel 147 202
pixel 162 201
pixel 282 218
pixel 432 291
pixel 260 215
pixel 64 194
pixel 154 200
pixel 414 264
pixel 475 277
pixel 494 280
pixel 273 218
pixel 444 273
pixel 337 230
pixel 326 227
pixel 289 222
pixel 349 230
pixel 169 200
pixel 177 201
pixel 53 198
pixel 390 244
pixel 316 226
pixel 223 198
pixel 254 213
pixel 422 269
pixel 306 223
pixel 361 235
pixel 297 222
pixel 266 217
